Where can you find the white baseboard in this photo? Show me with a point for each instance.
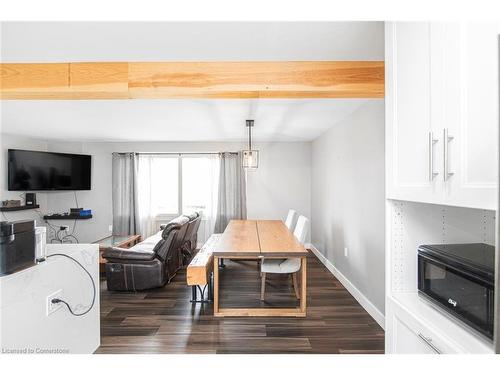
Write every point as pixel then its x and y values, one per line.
pixel 351 288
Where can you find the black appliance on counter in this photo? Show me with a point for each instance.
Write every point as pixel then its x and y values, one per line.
pixel 460 279
pixel 17 246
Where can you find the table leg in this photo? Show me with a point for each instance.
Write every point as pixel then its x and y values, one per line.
pixel 299 311
pixel 210 289
pixel 303 286
pixel 216 285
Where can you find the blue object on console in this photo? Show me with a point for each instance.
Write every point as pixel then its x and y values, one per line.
pixel 85 212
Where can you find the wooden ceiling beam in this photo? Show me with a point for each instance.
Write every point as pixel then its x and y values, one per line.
pixel 29 81
pixel 187 80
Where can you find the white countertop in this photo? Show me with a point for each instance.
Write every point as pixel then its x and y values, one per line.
pixel 24 323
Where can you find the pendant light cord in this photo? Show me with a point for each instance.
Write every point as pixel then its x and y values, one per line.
pixel 250 126
pixel 250 138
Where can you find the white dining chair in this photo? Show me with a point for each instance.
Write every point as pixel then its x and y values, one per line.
pixel 290 219
pixel 288 265
pixel 301 229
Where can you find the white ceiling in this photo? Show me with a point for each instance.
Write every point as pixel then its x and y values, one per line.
pixel 182 120
pixel 154 41
pixel 175 120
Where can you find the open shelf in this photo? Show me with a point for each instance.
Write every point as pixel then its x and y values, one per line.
pixel 66 217
pixel 19 208
pixel 411 224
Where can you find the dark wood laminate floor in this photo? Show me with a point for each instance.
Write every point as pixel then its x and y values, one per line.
pixel 164 321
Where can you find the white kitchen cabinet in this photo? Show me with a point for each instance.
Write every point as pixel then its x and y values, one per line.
pixel 407 341
pixel 442 113
pixel 408 112
pixel 470 112
pixel 406 334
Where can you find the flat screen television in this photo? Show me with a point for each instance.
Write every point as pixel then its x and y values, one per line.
pixel 39 171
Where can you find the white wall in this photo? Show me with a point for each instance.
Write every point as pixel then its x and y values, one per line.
pixel 281 182
pixel 98 199
pixel 348 199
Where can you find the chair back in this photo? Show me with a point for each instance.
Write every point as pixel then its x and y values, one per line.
pixel 301 229
pixel 290 219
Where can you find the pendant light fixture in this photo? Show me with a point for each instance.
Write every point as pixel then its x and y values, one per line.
pixel 250 159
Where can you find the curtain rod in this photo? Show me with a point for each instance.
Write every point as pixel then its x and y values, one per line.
pixel 177 153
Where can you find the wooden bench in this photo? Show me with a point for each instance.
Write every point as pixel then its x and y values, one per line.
pixel 199 270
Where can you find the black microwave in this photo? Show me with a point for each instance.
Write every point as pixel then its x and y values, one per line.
pixel 459 278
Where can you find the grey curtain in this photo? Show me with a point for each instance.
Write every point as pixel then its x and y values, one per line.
pixel 125 195
pixel 232 191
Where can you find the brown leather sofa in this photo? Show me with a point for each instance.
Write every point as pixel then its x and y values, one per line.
pixel 153 262
pixel 191 236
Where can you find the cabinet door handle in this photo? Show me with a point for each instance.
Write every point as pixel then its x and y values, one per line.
pixel 428 341
pixel 432 142
pixel 446 140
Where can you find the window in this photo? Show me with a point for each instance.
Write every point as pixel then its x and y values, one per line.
pixel 197 180
pixel 158 185
pixel 165 185
pixel 171 184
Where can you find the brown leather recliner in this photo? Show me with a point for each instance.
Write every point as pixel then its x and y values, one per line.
pixel 142 268
pixel 189 237
pixel 174 258
pixel 193 236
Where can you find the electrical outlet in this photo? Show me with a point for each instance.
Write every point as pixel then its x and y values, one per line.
pixel 346 252
pixel 53 307
pixel 110 228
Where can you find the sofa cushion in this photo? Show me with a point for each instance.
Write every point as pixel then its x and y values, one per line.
pixel 136 253
pixel 149 242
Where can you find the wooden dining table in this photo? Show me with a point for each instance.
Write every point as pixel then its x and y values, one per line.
pixel 259 239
